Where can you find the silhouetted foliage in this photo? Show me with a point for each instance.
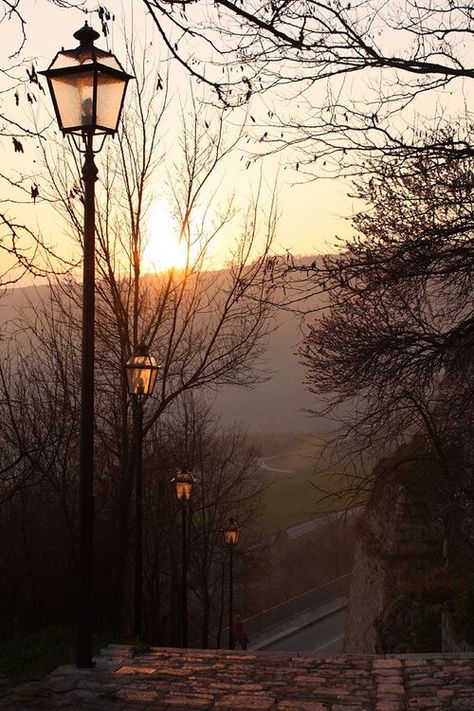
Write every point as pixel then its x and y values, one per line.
pixel 397 338
pixel 349 68
pixel 400 305
pixel 205 328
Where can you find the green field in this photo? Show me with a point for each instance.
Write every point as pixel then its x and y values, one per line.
pixel 292 499
pixel 294 489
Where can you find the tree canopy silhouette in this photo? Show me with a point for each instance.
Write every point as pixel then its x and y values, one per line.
pixel 350 67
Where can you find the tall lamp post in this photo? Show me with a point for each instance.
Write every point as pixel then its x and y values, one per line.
pixel 87 87
pixel 183 482
pixel 231 537
pixel 141 370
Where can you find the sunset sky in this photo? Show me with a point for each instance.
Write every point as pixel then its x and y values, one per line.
pixel 311 213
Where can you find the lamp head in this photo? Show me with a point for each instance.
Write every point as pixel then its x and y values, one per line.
pixel 142 370
pixel 231 532
pixel 183 482
pixel 87 86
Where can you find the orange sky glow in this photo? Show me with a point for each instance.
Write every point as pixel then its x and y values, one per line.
pixel 310 214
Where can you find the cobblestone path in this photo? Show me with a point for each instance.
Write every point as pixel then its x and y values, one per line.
pixel 172 679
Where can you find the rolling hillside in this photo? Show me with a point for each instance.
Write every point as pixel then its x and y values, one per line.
pixel 274 406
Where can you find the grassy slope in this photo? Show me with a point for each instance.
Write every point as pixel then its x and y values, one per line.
pixel 291 498
pixel 294 498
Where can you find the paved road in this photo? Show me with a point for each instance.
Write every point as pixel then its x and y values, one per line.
pixel 301 529
pixel 262 463
pixel 325 635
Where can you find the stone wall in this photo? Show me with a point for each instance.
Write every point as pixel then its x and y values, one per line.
pixel 398 537
pixel 366 602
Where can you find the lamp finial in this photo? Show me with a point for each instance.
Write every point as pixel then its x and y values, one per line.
pixel 86 36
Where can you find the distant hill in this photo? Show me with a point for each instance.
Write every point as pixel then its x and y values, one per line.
pixel 280 404
pixel 277 405
pixel 274 406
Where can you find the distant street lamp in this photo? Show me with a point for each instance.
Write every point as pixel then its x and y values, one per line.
pixel 87 86
pixel 183 482
pixel 231 537
pixel 141 370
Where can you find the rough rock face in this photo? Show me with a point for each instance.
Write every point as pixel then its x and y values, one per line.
pixel 398 537
pixel 455 426
pixel 412 625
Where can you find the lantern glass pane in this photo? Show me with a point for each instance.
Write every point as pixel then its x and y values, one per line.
pixel 109 60
pixel 141 374
pixel 74 99
pixel 153 374
pixel 71 58
pixel 110 91
pixel 231 536
pixel 183 490
pixel 183 482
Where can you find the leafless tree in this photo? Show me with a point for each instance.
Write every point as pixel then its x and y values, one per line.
pixel 224 467
pixel 345 69
pixel 39 412
pixel 349 67
pixel 206 328
pixel 22 247
pixel 397 335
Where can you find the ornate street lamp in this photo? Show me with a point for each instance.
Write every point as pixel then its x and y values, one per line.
pixel 141 370
pixel 87 86
pixel 183 482
pixel 231 537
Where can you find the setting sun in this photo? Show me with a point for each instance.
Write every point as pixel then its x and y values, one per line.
pixel 165 250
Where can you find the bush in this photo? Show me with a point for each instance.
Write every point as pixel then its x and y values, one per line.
pixel 32 656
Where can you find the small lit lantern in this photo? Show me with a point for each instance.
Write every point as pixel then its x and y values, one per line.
pixel 141 370
pixel 183 482
pixel 231 532
pixel 87 86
